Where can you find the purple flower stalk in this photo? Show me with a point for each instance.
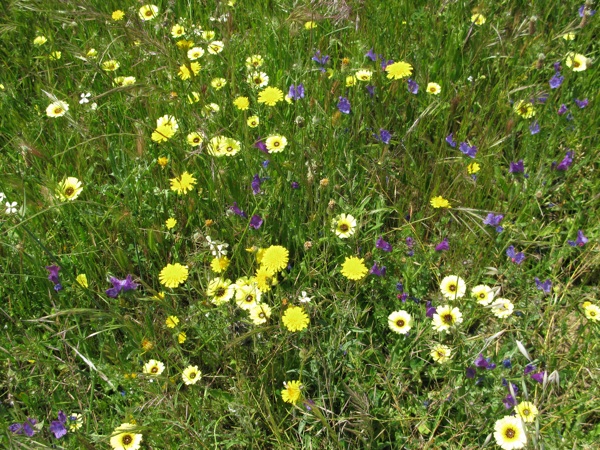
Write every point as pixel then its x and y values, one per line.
pixel 517 258
pixel 509 402
pixel 450 140
pixel 377 271
pixel 121 286
pixel 468 150
pixel 260 144
pixel 26 427
pixel 256 222
pixel 256 181
pixel 539 376
pixel 410 242
pixel 442 246
pixel 556 81
pixel 580 241
pixel 566 162
pixel 430 309
pixel 585 11
pixel 507 364
pixel 371 55
pixel 385 63
pixel 383 245
pixel 384 136
pixel 322 60
pixel 534 128
pixel 494 221
pixel 344 105
pixel 296 92
pixel 516 167
pixel 413 87
pixel 545 286
pixel 581 103
pixel 57 427
pixel 53 273
pixel 295 185
pixel 563 109
pixel 370 89
pixel 484 363
pixel 471 372
pixel 237 211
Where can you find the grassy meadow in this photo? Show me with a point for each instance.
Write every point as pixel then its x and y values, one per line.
pixel 284 224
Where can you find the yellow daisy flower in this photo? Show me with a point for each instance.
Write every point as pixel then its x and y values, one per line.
pixel 354 268
pixel 260 313
pixel 195 53
pixel 441 353
pixel 148 12
pixel 183 184
pixel 177 31
pixel 153 367
pixel 111 65
pixel 446 317
pixel 69 189
pixel 433 88
pixel 241 103
pixel 82 280
pixel 253 121
pixel 276 144
pixel 172 321
pixel 123 438
pixel 191 375
pixel 400 322
pixel 173 275
pixel 275 258
pixel 117 15
pixel 57 109
pixel 527 411
pixel 292 391
pixel 478 19
pixel 483 294
pixel 577 62
pixel 215 47
pixel 220 290
pixel 440 202
pixel 399 70
pixel 220 264
pixel 295 319
pixel 509 433
pixel 524 109
pixel 194 139
pixel 344 225
pixel 453 287
pixel 270 96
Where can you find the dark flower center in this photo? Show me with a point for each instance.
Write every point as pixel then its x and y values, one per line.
pixel 220 292
pixel 261 315
pixel 196 140
pixel 69 191
pixel 58 110
pixel 452 287
pixel 127 439
pixel 593 313
pixel 344 227
pixel 148 13
pixel 510 433
pixel 400 323
pixel 447 318
pixel 192 375
pixel 258 80
pixel 576 64
pixel 482 295
pixel 154 369
pixel 250 298
pixel 276 144
pixel 526 412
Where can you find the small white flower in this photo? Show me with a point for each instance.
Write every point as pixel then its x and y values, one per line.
pixel 11 208
pixel 2 196
pixel 304 298
pixel 94 106
pixel 85 98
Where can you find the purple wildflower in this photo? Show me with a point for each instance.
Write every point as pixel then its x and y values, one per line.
pixel 471 372
pixel 557 67
pixel 413 87
pixel 399 286
pixel 385 63
pixel 517 258
pixel 566 162
pixel 580 241
pixel 450 140
pixel 58 426
pixel 442 246
pixel 528 369
pixel 539 376
pixel 507 364
pixel 256 222
pixel 384 136
pixel 467 149
pixel 517 167
pixel 26 427
pixel 320 59
pixel 370 89
pixel 344 105
pixel 534 128
pixel 121 286
pixel 430 309
pixel 582 103
pixel 585 11
pixel 256 181
pixel 378 271
pixel 237 211
pixel 296 92
pixel 563 109
pixel 410 242
pixel 260 144
pixel 556 81
pixel 494 221
pixel 545 286
pixel 542 98
pixel 371 55
pixel 402 297
pixel 53 273
pixel 295 185
pixel 383 245
pixel 484 363
pixel 509 402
